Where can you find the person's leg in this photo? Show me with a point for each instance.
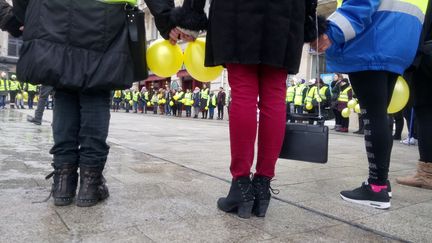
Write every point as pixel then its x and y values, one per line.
pixel 12 95
pixel 378 136
pixel 2 101
pixel 421 87
pixel 45 91
pixel 31 96
pixel 93 152
pixel 399 122
pixel 243 80
pixel 272 115
pixel 65 127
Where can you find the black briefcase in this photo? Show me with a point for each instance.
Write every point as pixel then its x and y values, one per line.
pixel 306 142
pixel 137 42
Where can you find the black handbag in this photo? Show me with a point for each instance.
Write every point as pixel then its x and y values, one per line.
pixel 305 142
pixel 137 41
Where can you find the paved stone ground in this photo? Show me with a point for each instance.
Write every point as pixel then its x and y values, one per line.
pixel 165 175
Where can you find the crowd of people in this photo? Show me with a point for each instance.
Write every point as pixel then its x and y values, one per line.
pixel 20 94
pixel 197 103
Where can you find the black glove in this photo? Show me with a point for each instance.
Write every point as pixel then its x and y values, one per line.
pixel 13 27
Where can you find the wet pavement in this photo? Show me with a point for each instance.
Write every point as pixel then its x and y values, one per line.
pixel 165 175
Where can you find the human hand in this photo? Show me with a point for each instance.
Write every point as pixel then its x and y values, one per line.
pixel 321 44
pixel 176 34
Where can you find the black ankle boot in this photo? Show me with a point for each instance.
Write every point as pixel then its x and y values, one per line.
pixel 92 187
pixel 65 184
pixel 240 198
pixel 261 186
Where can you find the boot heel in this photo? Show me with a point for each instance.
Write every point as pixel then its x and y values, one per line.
pixel 260 207
pixel 245 209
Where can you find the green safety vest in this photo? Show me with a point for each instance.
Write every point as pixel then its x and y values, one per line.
pixel 298 98
pixel 323 92
pixel 146 95
pixel 136 96
pixel 31 87
pixel 14 85
pixel 312 95
pixel 205 93
pixel 154 98
pixel 290 94
pixel 213 101
pixel 128 95
pixel 3 85
pixel 343 96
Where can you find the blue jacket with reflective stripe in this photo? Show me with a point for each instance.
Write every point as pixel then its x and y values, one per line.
pixel 374 35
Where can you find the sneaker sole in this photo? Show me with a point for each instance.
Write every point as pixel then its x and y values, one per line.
pixel 378 205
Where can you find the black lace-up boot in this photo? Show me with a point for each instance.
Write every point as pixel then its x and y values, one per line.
pixel 92 187
pixel 65 183
pixel 262 195
pixel 240 198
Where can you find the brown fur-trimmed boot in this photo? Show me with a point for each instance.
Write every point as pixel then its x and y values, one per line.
pixel 423 177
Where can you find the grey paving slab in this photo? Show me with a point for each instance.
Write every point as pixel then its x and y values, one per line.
pixel 166 174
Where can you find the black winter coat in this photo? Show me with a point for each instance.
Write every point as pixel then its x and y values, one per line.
pixel 74 44
pixel 245 31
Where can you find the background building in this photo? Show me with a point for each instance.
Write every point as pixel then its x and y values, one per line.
pixel 9 51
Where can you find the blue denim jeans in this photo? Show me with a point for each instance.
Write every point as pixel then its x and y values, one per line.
pixel 2 101
pixel 80 128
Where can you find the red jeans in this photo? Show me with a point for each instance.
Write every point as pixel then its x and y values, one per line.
pixel 248 82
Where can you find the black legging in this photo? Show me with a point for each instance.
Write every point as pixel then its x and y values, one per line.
pixel 374 90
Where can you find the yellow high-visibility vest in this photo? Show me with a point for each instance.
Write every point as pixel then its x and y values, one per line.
pixel 117 94
pixel 205 93
pixel 343 96
pixel 298 99
pixel 323 92
pixel 3 85
pixel 290 94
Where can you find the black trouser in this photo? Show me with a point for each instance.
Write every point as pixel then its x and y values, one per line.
pixel 203 106
pixel 421 87
pixel 31 95
pixel 80 128
pixel 13 95
pixel 360 122
pixel 44 93
pixel 374 90
pixel 179 109
pixel 188 110
pixel 220 108
pixel 338 117
pixel 398 120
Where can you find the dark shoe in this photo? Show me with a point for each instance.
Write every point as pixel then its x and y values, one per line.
pixel 92 187
pixel 262 195
pixel 365 195
pixel 65 184
pixel 398 138
pixel 34 121
pixel 360 132
pixel 240 198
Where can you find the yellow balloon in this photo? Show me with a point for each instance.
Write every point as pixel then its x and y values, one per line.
pixel 19 96
pixel 400 96
pixel 352 104
pixel 194 56
pixel 192 102
pixel 171 103
pixel 206 108
pixel 25 96
pixel 149 103
pixel 309 106
pixel 175 97
pixel 164 59
pixel 346 113
pixel 130 102
pixel 357 108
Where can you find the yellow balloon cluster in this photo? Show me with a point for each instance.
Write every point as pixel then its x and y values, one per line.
pixel 165 60
pixel 346 113
pixel 400 96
